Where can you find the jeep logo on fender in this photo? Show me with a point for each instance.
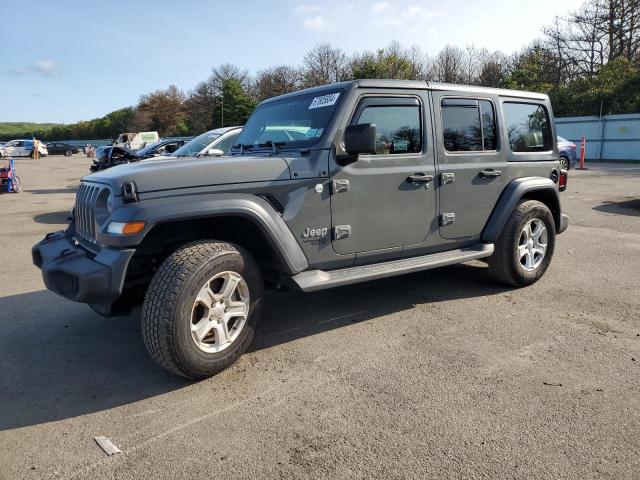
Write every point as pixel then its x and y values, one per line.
pixel 315 232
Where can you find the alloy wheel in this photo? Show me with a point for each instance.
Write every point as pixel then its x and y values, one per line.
pixel 220 312
pixel 532 244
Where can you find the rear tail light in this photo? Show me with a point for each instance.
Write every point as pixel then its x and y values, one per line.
pixel 562 183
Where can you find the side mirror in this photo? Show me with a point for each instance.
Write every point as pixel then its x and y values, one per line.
pixel 360 138
pixel 215 152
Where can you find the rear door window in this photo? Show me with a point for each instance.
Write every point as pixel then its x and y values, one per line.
pixel 468 125
pixel 528 127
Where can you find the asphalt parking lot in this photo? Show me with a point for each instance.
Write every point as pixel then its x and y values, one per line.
pixel 441 374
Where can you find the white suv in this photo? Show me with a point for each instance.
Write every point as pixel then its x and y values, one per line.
pixel 22 148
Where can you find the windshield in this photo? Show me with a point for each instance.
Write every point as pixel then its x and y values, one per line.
pixel 293 122
pixel 144 151
pixel 194 146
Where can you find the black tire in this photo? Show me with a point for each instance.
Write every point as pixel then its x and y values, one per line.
pixel 16 185
pixel 67 153
pixel 168 304
pixel 505 263
pixel 565 164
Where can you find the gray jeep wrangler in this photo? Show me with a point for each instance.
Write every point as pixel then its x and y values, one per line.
pixel 326 187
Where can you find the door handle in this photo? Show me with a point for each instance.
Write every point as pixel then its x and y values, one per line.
pixel 490 173
pixel 419 178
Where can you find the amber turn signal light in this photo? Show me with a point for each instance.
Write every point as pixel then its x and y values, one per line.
pixel 128 228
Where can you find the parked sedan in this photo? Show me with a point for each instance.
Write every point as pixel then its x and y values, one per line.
pixel 57 148
pixel 567 152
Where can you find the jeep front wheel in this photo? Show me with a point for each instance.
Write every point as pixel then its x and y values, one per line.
pixel 201 308
pixel 525 246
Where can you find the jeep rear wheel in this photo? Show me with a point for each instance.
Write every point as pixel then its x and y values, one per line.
pixel 201 308
pixel 525 246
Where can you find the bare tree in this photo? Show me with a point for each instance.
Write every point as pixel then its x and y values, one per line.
pixel 493 70
pixel 448 65
pixel 276 81
pixel 418 61
pixel 228 71
pixel 324 64
pixel 585 40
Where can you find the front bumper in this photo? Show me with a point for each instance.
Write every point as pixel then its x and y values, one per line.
pixel 76 274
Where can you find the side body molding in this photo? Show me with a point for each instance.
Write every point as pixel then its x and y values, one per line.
pixel 191 207
pixel 510 197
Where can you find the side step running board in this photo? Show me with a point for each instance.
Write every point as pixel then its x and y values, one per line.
pixel 312 280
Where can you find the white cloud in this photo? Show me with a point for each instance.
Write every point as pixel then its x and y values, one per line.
pixel 418 11
pixel 400 16
pixel 46 68
pixel 379 7
pixel 305 9
pixel 313 17
pixel 42 68
pixel 316 23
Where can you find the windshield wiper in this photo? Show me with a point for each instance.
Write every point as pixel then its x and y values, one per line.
pixel 273 145
pixel 242 147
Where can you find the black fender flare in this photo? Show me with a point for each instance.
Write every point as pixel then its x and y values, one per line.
pixel 191 207
pixel 511 195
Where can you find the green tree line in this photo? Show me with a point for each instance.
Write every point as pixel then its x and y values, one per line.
pixel 587 61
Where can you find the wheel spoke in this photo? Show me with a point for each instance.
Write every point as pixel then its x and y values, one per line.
pixel 522 251
pixel 537 233
pixel 229 286
pixel 237 309
pixel 538 251
pixel 529 260
pixel 222 333
pixel 206 297
pixel 202 328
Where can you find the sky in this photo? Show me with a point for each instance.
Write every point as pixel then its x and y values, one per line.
pixel 68 60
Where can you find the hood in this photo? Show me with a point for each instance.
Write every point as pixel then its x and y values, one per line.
pixel 165 173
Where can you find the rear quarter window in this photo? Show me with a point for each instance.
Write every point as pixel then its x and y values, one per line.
pixel 528 127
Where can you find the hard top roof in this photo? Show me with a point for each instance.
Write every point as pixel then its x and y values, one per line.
pixel 415 85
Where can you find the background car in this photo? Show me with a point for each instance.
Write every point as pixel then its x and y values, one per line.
pixel 110 155
pixel 213 143
pixel 567 151
pixel 23 148
pixel 163 147
pixel 58 148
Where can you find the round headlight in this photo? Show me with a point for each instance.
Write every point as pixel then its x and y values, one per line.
pixel 104 206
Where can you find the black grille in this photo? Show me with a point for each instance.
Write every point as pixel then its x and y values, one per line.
pixel 85 212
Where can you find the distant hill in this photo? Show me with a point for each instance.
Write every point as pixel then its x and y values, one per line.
pixel 20 128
